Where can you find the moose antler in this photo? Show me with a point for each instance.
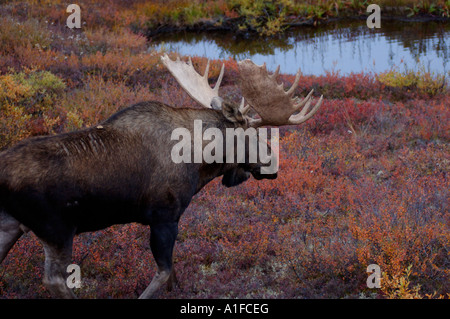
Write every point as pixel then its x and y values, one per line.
pixel 273 104
pixel 194 84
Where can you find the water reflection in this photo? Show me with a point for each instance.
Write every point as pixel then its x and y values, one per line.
pixel 348 47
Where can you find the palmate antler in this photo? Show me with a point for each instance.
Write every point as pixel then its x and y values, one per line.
pixel 194 84
pixel 273 104
pixel 260 90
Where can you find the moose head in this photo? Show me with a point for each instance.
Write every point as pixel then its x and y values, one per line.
pixel 260 91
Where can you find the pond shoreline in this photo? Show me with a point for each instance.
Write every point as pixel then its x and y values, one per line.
pixel 224 24
pixel 340 44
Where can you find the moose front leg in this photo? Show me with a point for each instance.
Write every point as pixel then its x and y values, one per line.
pixel 162 241
pixel 57 258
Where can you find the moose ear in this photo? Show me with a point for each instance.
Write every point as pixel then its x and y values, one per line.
pixel 232 113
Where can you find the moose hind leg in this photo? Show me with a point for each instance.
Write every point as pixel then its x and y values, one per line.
pixel 162 241
pixel 56 261
pixel 10 232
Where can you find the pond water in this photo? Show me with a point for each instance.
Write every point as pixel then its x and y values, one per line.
pixel 345 47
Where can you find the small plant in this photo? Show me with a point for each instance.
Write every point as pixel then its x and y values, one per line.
pixel 14 34
pixel 28 88
pixel 264 17
pixel 423 81
pixel 25 99
pixel 359 5
pixel 192 14
pixel 399 286
pixel 13 124
pixel 119 41
pixel 413 11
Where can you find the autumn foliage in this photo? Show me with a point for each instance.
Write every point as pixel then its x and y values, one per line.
pixel 363 182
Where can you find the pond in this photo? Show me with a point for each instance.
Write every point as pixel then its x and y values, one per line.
pixel 336 46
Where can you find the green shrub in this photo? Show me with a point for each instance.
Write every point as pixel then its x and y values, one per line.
pixel 265 17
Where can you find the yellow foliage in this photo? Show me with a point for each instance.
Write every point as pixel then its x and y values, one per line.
pixel 426 82
pixel 13 124
pixel 13 90
pixel 30 87
pixel 399 286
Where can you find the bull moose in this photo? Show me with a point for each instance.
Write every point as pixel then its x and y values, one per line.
pixel 120 171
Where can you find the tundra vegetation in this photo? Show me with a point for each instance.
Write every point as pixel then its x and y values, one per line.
pixel 363 182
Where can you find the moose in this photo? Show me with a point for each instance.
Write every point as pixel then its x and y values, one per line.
pixel 120 171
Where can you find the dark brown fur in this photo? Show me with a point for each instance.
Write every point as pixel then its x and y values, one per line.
pixel 118 172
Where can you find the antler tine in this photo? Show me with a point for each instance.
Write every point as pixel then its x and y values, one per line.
pixel 219 79
pixel 277 71
pixel 300 118
pixel 244 109
pixel 291 91
pixel 242 105
pixel 303 102
pixel 206 69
